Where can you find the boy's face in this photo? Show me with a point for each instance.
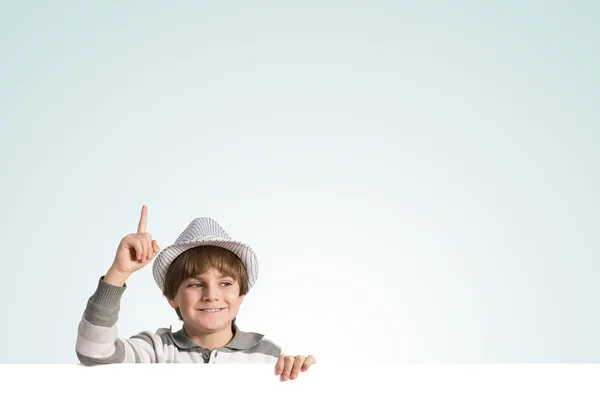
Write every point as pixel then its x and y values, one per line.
pixel 209 302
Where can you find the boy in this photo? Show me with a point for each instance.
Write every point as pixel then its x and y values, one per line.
pixel 205 276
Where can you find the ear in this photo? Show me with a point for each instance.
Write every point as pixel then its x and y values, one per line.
pixel 242 299
pixel 172 303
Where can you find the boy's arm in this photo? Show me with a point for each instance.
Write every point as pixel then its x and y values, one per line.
pixel 97 339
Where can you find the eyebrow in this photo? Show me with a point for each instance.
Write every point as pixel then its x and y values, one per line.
pixel 221 276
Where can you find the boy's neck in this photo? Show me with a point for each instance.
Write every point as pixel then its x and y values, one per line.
pixel 216 339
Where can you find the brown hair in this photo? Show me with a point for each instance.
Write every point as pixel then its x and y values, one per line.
pixel 197 261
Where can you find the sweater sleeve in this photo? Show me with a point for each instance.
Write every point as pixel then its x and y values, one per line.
pixel 97 335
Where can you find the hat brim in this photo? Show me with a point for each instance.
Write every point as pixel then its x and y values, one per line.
pixel 169 254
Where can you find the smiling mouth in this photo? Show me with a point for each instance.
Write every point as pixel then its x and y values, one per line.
pixel 211 310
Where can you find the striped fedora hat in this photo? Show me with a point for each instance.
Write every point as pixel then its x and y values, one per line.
pixel 204 231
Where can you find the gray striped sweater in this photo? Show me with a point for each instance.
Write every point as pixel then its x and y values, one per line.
pixel 98 342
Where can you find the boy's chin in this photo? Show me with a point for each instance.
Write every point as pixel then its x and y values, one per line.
pixel 209 327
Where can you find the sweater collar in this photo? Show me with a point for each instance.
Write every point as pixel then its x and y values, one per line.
pixel 241 340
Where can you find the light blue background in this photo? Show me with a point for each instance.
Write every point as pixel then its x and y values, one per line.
pixel 420 179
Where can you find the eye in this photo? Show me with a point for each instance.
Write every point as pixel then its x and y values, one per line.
pixel 196 285
pixel 227 284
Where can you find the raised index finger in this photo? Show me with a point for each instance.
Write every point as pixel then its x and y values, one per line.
pixel 143 220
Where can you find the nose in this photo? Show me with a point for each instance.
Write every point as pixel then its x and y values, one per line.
pixel 210 293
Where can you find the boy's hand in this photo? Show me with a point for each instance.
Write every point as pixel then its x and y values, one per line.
pixel 290 366
pixel 134 252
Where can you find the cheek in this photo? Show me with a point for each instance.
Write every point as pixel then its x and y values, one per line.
pixel 234 300
pixel 187 297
